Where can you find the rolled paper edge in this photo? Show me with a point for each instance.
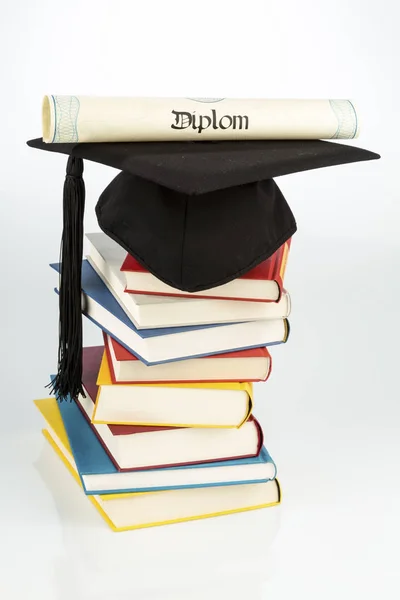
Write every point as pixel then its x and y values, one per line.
pixel 357 114
pixel 357 118
pixel 348 124
pixel 48 121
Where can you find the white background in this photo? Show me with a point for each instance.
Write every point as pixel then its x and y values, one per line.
pixel 331 408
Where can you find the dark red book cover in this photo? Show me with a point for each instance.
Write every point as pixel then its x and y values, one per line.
pixel 91 360
pixel 122 354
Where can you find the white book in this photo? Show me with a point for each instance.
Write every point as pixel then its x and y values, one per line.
pixel 155 346
pixel 151 311
pixel 247 365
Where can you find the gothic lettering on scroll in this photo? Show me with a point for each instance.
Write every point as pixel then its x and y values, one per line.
pixel 184 120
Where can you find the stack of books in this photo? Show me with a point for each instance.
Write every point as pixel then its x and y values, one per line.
pixel 165 431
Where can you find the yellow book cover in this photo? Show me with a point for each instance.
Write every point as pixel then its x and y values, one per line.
pixel 128 511
pixel 104 378
pixel 48 408
pixel 104 382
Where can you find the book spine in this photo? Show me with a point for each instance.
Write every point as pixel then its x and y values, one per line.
pixel 249 411
pixel 169 465
pixel 260 435
pixel 273 262
pixel 279 490
pixel 100 439
pixel 269 367
pixel 287 327
pixel 280 266
pixel 109 360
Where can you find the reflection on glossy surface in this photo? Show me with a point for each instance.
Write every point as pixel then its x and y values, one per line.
pixel 224 555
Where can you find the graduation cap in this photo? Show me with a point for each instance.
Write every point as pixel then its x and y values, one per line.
pixel 195 214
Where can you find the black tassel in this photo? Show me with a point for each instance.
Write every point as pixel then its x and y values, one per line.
pixel 68 382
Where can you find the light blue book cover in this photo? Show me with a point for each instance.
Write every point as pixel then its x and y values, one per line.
pixel 92 459
pixel 93 286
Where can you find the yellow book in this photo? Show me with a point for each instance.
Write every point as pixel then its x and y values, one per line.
pixel 148 509
pixel 137 511
pixel 195 404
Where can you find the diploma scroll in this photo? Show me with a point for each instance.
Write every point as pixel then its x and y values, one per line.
pixel 74 119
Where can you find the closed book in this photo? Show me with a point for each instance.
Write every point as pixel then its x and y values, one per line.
pixel 262 283
pixel 155 346
pixel 139 447
pixel 198 404
pixel 247 365
pixel 98 474
pixel 152 311
pixel 195 404
pixel 123 512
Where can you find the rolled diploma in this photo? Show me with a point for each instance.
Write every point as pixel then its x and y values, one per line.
pixel 73 119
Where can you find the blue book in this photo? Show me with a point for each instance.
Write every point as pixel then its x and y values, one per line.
pixel 99 475
pixel 155 346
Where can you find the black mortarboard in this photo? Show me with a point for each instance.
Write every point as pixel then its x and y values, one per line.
pixel 195 214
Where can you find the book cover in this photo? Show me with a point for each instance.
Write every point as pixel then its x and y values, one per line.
pixel 128 430
pixel 100 502
pixel 271 269
pixel 146 311
pixel 92 357
pixel 122 355
pixel 95 290
pixel 104 378
pixel 90 458
pixel 96 375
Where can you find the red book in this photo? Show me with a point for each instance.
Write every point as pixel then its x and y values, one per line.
pixel 137 448
pixel 264 283
pixel 245 365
